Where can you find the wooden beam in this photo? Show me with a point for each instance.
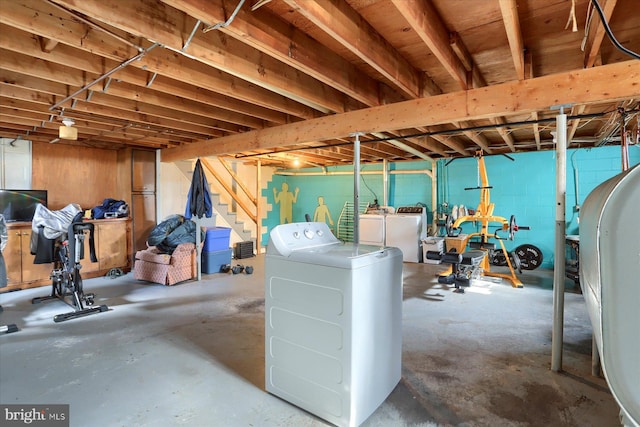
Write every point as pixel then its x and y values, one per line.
pixel 504 133
pixel 285 43
pixel 47 45
pixel 137 110
pixel 509 9
pixel 177 67
pixel 425 21
pixel 607 83
pixel 463 54
pixel 346 26
pixel 87 68
pixel 595 32
pixel 170 27
pixel 528 74
pixel 536 130
pixel 41 119
pixel 478 138
pixel 575 111
pixel 423 141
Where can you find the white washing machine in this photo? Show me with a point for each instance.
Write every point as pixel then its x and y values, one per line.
pixel 609 271
pixel 333 322
pixel 372 230
pixel 406 230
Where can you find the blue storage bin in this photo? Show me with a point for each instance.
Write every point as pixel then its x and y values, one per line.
pixel 213 261
pixel 217 239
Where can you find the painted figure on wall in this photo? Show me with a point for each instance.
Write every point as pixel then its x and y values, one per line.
pixel 286 199
pixel 322 213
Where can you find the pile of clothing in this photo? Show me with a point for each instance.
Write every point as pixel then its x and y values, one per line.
pixel 171 232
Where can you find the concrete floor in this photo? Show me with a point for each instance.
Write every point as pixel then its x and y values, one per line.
pixel 193 354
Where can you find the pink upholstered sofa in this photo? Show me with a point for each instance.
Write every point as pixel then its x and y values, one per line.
pixel 153 266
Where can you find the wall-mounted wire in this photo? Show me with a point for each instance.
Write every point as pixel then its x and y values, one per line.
pixel 607 29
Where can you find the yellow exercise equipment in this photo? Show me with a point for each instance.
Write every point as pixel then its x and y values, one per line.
pixel 484 215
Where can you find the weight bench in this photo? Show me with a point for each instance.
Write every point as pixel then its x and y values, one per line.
pixel 464 267
pixel 66 280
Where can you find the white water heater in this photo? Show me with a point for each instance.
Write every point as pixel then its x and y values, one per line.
pixel 610 281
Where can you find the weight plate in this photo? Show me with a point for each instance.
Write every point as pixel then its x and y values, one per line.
pixel 512 227
pixel 530 256
pixel 448 226
pixel 498 258
pixel 515 262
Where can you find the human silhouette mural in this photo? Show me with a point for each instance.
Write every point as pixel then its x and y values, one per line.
pixel 286 199
pixel 322 213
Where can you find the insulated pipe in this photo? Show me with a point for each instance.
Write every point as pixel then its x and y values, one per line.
pixel 559 263
pixel 104 76
pixel 356 187
pixel 395 172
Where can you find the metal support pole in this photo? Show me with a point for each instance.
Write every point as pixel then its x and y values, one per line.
pixel 198 248
pixel 356 187
pixel 559 263
pixel 258 205
pixel 385 182
pixel 434 197
pixel 624 144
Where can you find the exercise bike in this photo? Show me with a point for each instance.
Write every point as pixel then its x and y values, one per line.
pixel 66 281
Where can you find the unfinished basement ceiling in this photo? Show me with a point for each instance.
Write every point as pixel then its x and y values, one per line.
pixel 274 80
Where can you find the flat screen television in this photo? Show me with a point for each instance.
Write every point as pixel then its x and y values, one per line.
pixel 20 205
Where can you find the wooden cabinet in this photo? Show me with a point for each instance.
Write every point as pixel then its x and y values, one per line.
pixel 112 244
pixel 144 171
pixel 143 197
pixel 18 258
pixel 112 239
pixel 144 219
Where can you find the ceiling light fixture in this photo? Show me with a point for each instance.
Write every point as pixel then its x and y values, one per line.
pixel 67 131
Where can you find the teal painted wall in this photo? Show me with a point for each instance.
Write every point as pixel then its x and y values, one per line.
pixel 405 190
pixel 524 188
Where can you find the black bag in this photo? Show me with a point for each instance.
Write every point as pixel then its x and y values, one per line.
pixel 110 208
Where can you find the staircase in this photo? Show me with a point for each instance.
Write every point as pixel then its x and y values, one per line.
pixel 345 221
pixel 221 209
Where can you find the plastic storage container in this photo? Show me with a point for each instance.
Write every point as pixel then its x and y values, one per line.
pixel 432 244
pixel 213 261
pixel 217 239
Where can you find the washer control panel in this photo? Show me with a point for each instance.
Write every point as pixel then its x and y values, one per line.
pixel 286 238
pixel 410 210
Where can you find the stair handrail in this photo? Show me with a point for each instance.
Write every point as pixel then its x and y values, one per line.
pixel 229 190
pixel 237 179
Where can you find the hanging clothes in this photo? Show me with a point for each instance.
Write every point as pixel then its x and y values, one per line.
pixel 199 198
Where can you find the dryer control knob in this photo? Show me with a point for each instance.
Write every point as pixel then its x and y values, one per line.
pixel 308 233
pixel 296 234
pixel 320 233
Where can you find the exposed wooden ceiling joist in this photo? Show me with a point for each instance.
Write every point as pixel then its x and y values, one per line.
pixel 294 76
pixel 487 102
